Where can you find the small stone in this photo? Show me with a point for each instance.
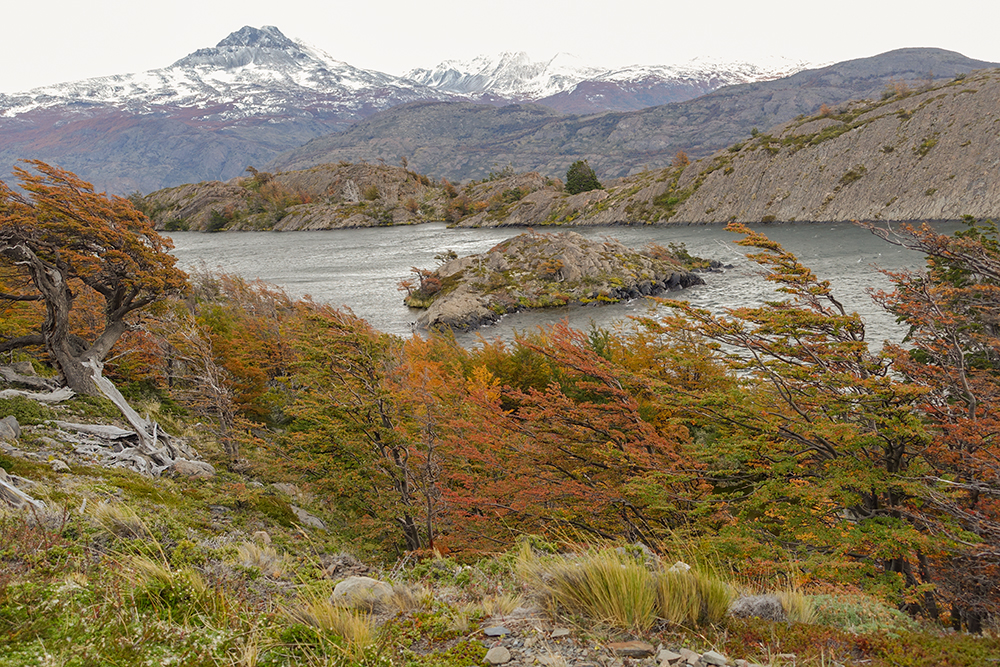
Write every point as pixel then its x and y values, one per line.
pixel 633 649
pixel 560 632
pixel 58 465
pixel 498 655
pixel 667 656
pixel 496 631
pixel 689 656
pixel 713 658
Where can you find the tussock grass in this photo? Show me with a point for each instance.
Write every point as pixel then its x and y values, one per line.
pixel 605 586
pixel 501 605
pixel 612 587
pixel 262 557
pixel 356 628
pixel 119 520
pixel 797 605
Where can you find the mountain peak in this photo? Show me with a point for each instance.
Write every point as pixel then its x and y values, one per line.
pixel 265 37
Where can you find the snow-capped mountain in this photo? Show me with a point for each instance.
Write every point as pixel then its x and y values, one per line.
pixel 258 93
pixel 252 72
pixel 511 75
pixel 515 76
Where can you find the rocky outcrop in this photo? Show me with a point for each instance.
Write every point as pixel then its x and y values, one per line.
pixel 330 196
pixel 542 270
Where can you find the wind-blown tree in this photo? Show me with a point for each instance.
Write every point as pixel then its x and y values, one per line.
pixel 953 352
pixel 821 447
pixel 63 238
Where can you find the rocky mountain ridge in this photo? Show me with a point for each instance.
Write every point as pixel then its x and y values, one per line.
pixel 462 140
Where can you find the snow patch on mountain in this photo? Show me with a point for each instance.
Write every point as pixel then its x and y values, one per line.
pixel 516 75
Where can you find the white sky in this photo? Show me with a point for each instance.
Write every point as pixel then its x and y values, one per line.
pixel 58 40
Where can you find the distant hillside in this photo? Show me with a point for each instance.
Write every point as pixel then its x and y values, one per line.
pixel 913 155
pixel 924 155
pixel 460 140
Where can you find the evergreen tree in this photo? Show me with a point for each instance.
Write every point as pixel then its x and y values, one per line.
pixel 580 177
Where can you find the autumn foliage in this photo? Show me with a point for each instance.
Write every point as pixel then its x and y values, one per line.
pixel 777 432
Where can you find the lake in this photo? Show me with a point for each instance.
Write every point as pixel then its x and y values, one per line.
pixel 361 268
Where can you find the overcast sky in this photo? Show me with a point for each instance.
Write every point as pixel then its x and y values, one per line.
pixel 55 41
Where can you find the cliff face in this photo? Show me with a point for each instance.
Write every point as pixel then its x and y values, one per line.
pixel 931 155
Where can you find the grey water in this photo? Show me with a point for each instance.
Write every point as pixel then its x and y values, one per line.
pixel 360 269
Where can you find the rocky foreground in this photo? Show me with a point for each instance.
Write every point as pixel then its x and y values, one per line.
pixel 535 270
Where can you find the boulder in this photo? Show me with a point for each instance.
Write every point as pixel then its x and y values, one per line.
pixel 190 469
pixel 9 428
pixel 308 519
pixel 363 592
pixel 767 607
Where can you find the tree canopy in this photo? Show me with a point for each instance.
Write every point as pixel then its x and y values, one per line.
pixel 580 177
pixel 60 240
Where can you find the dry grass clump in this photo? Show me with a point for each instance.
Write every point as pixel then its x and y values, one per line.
pixel 263 558
pixel 356 628
pixel 119 520
pixel 691 598
pixel 798 606
pixel 612 587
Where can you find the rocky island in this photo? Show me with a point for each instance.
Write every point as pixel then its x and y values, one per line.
pixel 534 270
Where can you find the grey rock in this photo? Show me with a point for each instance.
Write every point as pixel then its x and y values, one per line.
pixel 496 631
pixel 191 469
pixel 23 368
pixel 667 656
pixel 767 607
pixel 498 655
pixel 288 489
pixel 689 656
pixel 713 658
pixel 9 428
pixel 362 592
pixel 308 519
